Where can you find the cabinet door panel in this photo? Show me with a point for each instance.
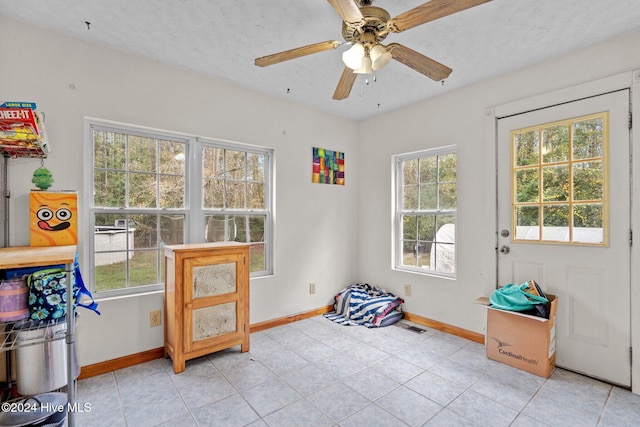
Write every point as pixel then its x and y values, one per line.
pixel 215 279
pixel 214 321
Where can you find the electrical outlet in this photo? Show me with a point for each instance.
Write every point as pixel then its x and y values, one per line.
pixel 407 290
pixel 312 288
pixel 155 318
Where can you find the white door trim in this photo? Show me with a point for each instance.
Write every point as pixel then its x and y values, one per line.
pixel 627 80
pixel 570 94
pixel 635 225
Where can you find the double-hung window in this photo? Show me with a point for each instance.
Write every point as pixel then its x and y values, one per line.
pixel 425 211
pixel 153 188
pixel 235 199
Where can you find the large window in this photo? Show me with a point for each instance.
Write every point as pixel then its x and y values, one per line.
pixel 425 211
pixel 146 195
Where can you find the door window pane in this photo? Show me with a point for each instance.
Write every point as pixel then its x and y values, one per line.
pixel 588 138
pixel 588 223
pixel 571 177
pixel 588 180
pixel 527 185
pixel 555 183
pixel 555 144
pixel 527 148
pixel 527 222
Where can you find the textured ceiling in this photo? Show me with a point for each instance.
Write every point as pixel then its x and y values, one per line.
pixel 221 38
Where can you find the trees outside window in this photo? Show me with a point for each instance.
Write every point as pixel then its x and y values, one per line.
pixel 559 181
pixel 145 196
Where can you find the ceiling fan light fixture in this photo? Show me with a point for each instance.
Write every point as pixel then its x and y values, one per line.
pixel 365 67
pixel 380 57
pixel 352 58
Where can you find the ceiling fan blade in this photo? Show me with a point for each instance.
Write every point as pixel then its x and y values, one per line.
pixel 348 11
pixel 422 64
pixel 347 79
pixel 430 11
pixel 296 53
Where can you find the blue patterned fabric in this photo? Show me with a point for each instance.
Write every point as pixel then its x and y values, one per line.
pixel 363 304
pixel 48 293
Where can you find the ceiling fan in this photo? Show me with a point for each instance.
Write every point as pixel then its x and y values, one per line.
pixel 365 26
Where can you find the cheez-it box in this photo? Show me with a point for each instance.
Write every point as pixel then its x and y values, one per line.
pixel 53 218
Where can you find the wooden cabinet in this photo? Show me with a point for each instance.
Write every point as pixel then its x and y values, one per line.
pixel 206 300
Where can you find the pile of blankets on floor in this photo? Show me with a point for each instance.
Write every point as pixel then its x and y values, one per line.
pixel 363 304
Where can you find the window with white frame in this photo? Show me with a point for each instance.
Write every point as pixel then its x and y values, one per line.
pixel 145 195
pixel 425 211
pixel 234 202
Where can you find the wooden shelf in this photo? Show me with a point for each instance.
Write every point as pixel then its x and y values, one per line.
pixel 28 256
pixel 24 257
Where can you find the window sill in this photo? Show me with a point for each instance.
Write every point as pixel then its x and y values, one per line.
pixel 104 296
pixel 430 273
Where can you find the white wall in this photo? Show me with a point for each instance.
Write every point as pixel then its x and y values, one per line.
pixel 461 118
pixel 316 225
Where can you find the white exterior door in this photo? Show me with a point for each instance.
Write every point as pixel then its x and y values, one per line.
pixel 564 220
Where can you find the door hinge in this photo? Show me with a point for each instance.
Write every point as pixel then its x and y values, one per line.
pixel 630 119
pixel 631 355
pixel 630 237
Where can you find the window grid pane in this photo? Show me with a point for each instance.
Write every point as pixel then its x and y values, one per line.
pixel 240 228
pixel 559 185
pixel 128 248
pixel 232 179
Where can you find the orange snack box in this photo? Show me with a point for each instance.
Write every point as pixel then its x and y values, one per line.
pixel 53 218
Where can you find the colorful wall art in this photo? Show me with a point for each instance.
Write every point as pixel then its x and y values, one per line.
pixel 328 167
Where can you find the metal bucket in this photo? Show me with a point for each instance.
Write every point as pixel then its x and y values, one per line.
pixel 41 367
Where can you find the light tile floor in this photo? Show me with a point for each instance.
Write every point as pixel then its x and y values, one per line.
pixel 318 373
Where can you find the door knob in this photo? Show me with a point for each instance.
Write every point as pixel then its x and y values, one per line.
pixel 504 233
pixel 505 249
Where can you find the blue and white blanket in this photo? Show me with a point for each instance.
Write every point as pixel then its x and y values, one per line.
pixel 363 304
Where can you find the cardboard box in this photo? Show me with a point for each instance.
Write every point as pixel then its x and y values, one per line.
pixel 522 341
pixel 53 218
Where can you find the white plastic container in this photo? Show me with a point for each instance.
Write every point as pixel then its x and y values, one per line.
pixel 13 299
